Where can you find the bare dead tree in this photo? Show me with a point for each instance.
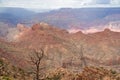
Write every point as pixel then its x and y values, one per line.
pixel 36 59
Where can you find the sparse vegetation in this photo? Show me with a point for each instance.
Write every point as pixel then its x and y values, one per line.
pixel 10 72
pixel 88 73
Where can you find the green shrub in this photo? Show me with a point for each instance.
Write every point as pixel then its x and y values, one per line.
pixel 1 62
pixel 55 77
pixel 6 78
pixel 113 72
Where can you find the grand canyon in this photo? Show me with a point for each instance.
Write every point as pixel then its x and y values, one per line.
pixel 76 44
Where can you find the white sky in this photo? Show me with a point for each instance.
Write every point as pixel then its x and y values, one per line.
pixel 53 4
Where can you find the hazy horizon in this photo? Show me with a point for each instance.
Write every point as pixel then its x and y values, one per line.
pixel 37 10
pixel 53 4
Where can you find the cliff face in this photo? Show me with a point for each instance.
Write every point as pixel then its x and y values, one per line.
pixel 68 50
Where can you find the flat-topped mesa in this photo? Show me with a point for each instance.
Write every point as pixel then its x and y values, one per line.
pixel 41 26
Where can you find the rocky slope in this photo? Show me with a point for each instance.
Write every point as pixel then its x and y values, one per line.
pixel 63 49
pixel 69 50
